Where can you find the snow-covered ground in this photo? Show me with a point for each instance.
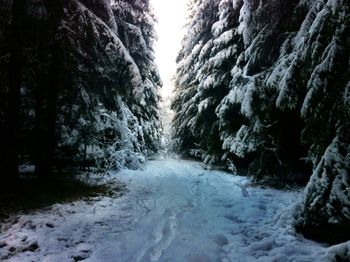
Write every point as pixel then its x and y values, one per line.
pixel 173 211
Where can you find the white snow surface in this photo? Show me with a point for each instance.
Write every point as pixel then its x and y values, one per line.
pixel 174 210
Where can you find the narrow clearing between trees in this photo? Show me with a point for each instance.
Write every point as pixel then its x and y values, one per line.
pixel 173 211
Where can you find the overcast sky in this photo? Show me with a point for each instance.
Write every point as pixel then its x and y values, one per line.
pixel 171 16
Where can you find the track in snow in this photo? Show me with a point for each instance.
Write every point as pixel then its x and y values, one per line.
pixel 174 211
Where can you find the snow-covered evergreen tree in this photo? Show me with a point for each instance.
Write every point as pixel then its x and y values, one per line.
pixel 326 112
pixel 107 89
pixel 277 103
pixel 120 98
pixel 209 50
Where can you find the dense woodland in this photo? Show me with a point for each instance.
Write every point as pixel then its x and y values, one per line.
pixel 79 86
pixel 265 86
pixel 262 86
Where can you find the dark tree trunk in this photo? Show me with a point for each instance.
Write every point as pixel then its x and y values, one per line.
pixel 48 154
pixel 48 131
pixel 41 112
pixel 11 139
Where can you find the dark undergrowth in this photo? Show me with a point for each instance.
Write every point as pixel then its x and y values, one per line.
pixel 294 181
pixel 30 194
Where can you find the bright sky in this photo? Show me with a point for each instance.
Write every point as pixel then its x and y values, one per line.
pixel 171 16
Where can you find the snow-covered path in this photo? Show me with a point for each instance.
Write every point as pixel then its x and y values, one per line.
pixel 173 211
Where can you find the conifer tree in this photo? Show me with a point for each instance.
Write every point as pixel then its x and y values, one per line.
pixel 278 104
pixel 90 87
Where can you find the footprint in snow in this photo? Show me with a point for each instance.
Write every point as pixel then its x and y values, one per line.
pixel 233 218
pixel 220 240
pixel 262 206
pixel 50 225
pixel 235 231
pixel 84 252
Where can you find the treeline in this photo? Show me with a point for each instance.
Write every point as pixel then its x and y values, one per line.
pixel 265 86
pixel 79 86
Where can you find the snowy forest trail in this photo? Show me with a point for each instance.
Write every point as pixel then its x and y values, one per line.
pixel 174 210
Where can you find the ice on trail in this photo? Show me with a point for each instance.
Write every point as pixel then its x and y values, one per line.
pixel 173 211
